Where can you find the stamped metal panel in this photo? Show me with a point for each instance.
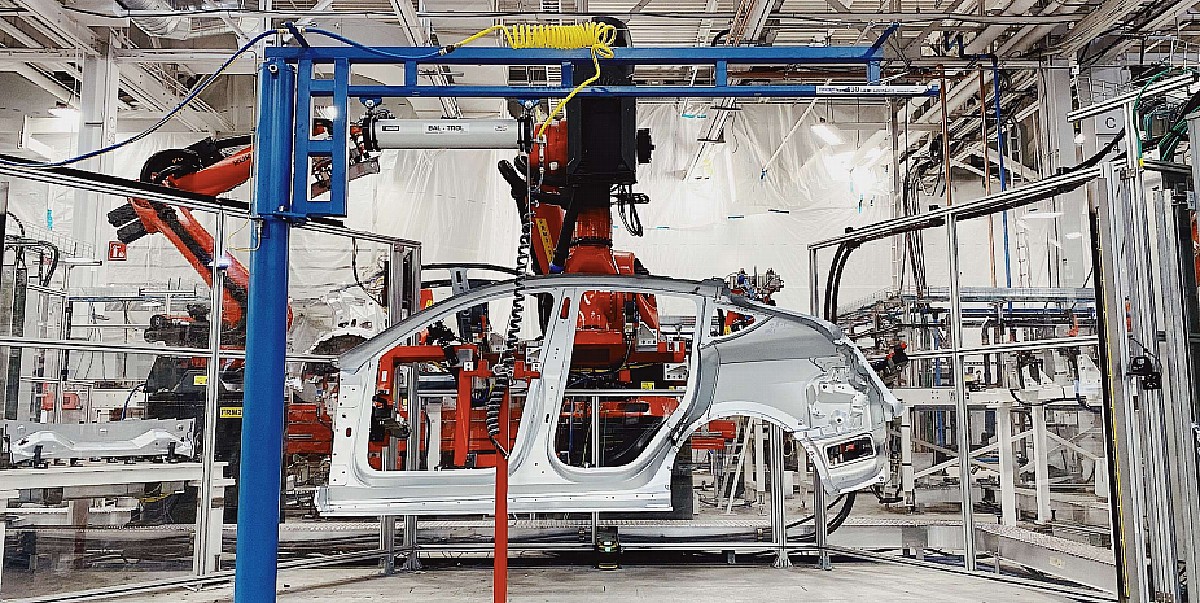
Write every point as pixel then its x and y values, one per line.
pixel 803 373
pixel 118 439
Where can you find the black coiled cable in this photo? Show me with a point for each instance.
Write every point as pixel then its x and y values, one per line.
pixel 499 395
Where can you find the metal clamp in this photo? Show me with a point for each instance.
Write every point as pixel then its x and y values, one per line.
pixel 1144 368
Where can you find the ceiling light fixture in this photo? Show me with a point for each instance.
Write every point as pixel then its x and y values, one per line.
pixel 1042 215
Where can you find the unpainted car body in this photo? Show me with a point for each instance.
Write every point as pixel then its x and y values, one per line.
pixel 793 370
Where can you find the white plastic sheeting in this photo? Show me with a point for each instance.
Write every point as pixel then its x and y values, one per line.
pixel 729 215
pixel 152 259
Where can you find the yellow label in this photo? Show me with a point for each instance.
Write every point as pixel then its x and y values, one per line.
pixel 544 232
pixel 200 380
pixel 231 412
pixel 647 385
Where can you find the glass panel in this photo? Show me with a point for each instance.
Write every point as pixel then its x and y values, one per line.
pixel 67 538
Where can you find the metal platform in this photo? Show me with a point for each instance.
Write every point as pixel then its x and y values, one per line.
pixel 914 536
pixel 1074 561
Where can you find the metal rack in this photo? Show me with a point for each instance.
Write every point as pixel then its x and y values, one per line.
pixel 948 218
pixel 1150 309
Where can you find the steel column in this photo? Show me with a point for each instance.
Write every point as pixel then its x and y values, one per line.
pixel 595 420
pixel 4 186
pixel 1190 410
pixel 5 496
pixel 500 536
pixel 208 553
pixel 387 462
pixel 757 459
pixel 1129 534
pixel 1144 335
pixel 266 342
pixel 98 102
pixel 962 423
pixel 1178 393
pixel 1041 464
pixel 897 193
pixel 412 461
pixel 1008 474
pixel 778 497
pixel 821 517
pixel 8 397
pixel 820 513
pixel 397 273
pixel 908 477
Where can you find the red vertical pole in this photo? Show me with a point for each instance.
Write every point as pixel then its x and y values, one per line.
pixel 500 568
pixel 462 421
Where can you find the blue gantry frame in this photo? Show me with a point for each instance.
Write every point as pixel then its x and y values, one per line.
pixel 284 147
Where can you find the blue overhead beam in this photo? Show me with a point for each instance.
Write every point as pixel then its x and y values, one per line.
pixel 469 55
pixel 527 92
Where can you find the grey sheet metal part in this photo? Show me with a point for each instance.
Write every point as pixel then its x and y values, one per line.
pixel 790 369
pixel 118 439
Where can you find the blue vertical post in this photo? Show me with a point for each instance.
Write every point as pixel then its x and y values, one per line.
pixel 266 337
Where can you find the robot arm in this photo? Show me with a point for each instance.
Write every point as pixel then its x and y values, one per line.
pixel 201 168
pixel 211 167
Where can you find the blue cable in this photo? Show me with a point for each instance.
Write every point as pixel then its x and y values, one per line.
pixel 125 408
pixel 201 87
pixel 375 51
pixel 204 84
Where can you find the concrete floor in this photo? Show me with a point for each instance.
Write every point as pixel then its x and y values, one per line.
pixel 728 584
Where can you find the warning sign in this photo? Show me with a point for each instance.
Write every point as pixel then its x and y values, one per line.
pixel 231 412
pixel 117 251
pixel 200 380
pixel 544 232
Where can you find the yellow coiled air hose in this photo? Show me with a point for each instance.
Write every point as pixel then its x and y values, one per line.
pixel 596 36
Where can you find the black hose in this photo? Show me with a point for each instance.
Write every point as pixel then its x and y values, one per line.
pixel 54 256
pixel 54 252
pixel 559 262
pixel 829 280
pixel 834 282
pixel 19 223
pixel 1102 153
pixel 499 395
pixel 836 522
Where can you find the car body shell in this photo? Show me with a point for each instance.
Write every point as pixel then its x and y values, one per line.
pixel 789 369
